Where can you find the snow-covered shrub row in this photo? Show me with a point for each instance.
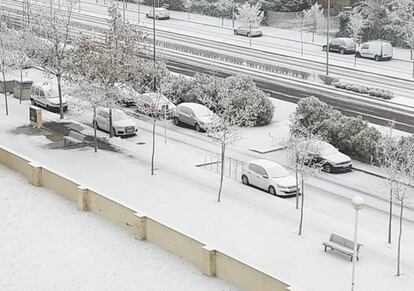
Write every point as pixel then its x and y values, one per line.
pixel 235 60
pixel 351 135
pixel 242 90
pixel 279 70
pixel 375 92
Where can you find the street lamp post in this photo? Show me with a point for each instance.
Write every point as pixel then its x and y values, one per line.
pixel 327 37
pixel 232 12
pixel 357 202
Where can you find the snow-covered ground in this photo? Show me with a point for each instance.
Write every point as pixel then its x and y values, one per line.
pixel 248 224
pixel 47 244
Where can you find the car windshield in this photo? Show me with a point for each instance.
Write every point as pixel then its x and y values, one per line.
pixel 327 149
pixel 119 115
pixel 277 172
pixel 202 111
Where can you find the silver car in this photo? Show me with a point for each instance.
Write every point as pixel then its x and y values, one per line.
pixel 160 13
pixel 194 114
pixel 246 30
pixel 122 124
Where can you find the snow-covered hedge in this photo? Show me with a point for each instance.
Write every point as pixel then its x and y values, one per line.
pixel 236 60
pixel 241 89
pixel 375 92
pixel 351 135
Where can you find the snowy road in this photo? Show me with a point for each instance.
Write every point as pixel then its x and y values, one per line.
pixel 395 75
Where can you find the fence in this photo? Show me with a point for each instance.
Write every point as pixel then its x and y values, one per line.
pixel 232 167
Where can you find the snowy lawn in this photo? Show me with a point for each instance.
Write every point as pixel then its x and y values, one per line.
pixel 47 244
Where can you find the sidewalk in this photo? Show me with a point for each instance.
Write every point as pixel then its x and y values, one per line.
pixel 254 227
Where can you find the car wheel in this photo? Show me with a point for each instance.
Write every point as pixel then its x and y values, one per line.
pixel 377 58
pixel 176 121
pixel 146 15
pixel 235 32
pixel 32 101
pixel 327 168
pixel 95 124
pixel 358 54
pixel 324 48
pixel 342 51
pixel 114 132
pixel 248 34
pixel 156 17
pixel 245 180
pixel 197 127
pixel 272 191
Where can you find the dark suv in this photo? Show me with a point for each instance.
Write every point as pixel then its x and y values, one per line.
pixel 341 45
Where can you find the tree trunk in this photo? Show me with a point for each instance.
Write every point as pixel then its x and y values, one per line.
pixel 222 21
pixel 95 125
pixel 59 80
pixel 399 238
pixel 5 92
pixel 223 149
pixel 313 36
pixel 111 130
pixel 297 189
pixel 301 207
pixel 153 145
pixel 21 85
pixel 390 217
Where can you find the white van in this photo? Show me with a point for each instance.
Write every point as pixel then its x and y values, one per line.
pixel 377 50
pixel 44 95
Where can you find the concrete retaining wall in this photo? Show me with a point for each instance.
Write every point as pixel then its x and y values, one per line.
pixel 210 261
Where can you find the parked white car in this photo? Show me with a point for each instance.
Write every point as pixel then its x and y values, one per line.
pixel 46 96
pixel 326 155
pixel 195 115
pixel 155 104
pixel 248 31
pixel 377 50
pixel 160 13
pixel 269 176
pixel 122 124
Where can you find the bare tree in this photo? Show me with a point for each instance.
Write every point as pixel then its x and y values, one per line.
pixel 301 147
pixel 188 5
pixel 52 23
pixel 224 7
pixel 313 19
pixel 158 108
pixel 109 63
pixel 250 15
pixel 389 156
pixel 6 61
pixel 404 177
pixel 226 121
pixel 355 28
pixel 21 42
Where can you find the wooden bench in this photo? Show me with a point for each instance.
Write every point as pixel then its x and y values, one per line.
pixel 75 137
pixel 342 245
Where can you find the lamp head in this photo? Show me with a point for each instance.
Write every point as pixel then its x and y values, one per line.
pixel 357 202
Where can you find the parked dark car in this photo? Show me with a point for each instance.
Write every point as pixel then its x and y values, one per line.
pixel 341 45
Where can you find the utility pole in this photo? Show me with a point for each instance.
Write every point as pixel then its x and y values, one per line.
pixel 139 8
pixel 327 37
pixel 232 12
pixel 357 202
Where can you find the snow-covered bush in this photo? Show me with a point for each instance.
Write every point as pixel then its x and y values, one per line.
pixel 310 113
pixel 178 88
pixel 240 91
pixel 364 144
pixel 351 135
pixel 375 92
